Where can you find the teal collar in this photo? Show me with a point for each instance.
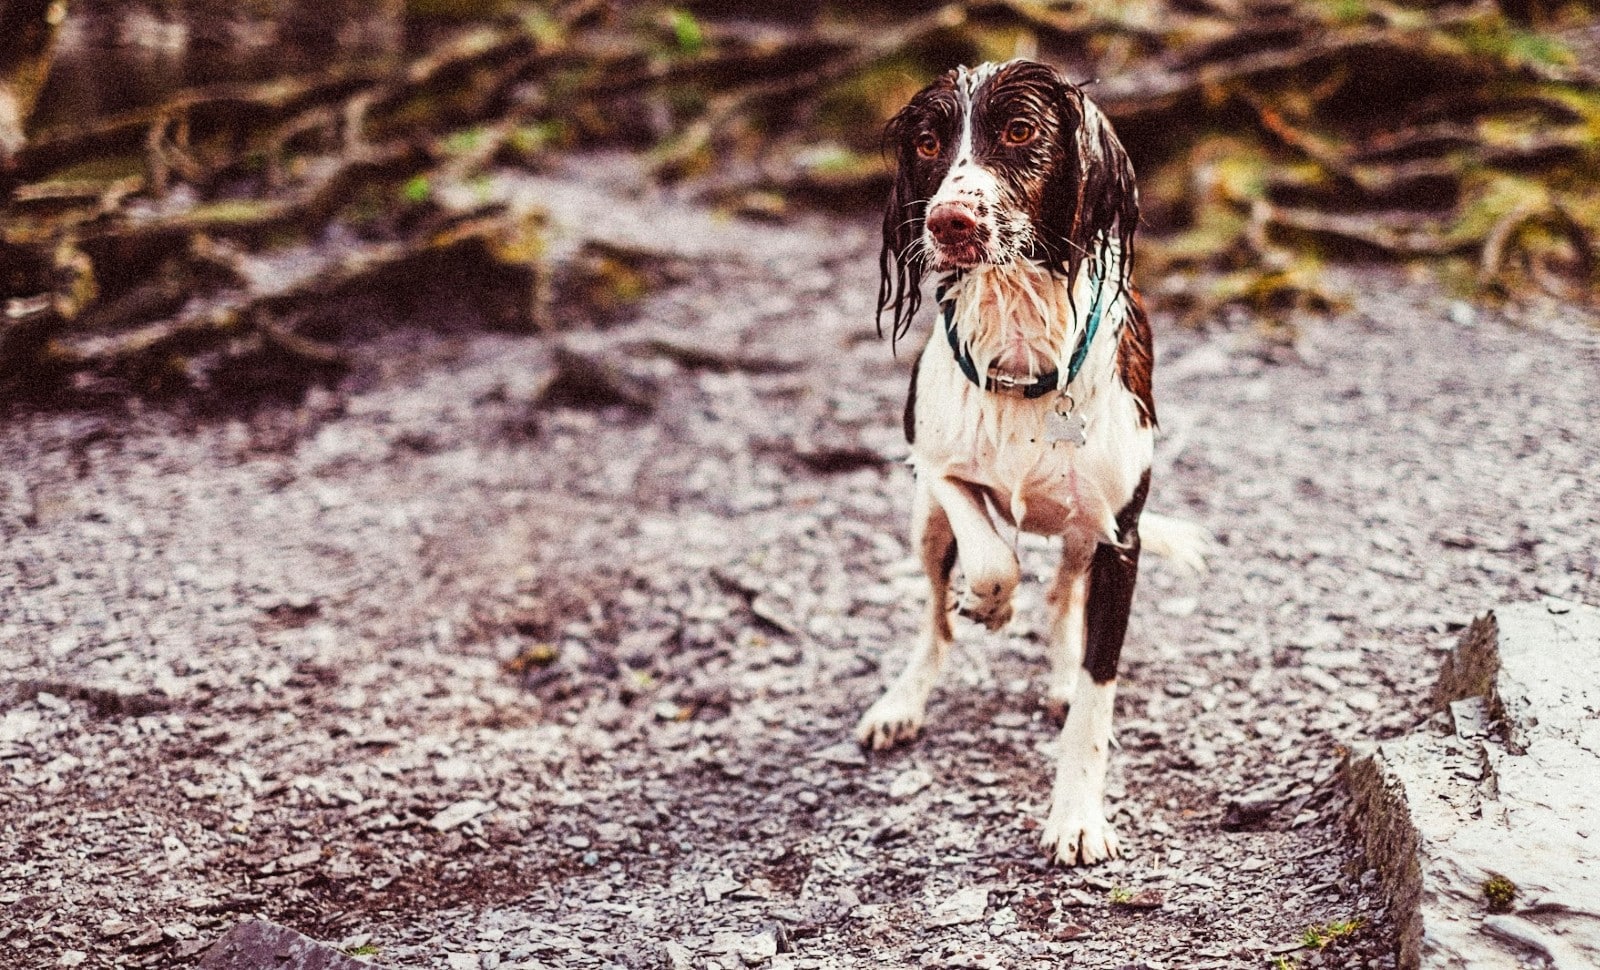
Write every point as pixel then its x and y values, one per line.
pixel 1003 384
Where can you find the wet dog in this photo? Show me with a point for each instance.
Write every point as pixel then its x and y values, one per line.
pixel 1031 402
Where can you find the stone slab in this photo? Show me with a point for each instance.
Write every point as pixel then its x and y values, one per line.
pixel 260 945
pixel 1502 784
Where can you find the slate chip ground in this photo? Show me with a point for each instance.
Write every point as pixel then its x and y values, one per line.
pixel 252 667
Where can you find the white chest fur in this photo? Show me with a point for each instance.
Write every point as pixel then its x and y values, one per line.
pixel 1020 317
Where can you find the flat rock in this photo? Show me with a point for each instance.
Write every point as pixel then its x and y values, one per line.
pixel 459 813
pixel 963 906
pixel 1482 824
pixel 260 945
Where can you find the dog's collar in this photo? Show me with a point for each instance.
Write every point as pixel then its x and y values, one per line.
pixel 999 382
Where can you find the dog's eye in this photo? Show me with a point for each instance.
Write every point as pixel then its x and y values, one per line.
pixel 1019 132
pixel 928 145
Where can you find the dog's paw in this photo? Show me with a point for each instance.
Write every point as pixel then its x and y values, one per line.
pixel 891 720
pixel 987 599
pixel 1074 839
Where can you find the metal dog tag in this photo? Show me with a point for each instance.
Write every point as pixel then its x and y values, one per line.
pixel 1064 424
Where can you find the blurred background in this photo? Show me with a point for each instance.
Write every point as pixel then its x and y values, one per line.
pixel 164 165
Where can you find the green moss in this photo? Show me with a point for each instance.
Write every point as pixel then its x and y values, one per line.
pixel 531 140
pixel 231 211
pixel 417 190
pixel 613 284
pixel 1324 935
pixel 1499 892
pixel 1488 197
pixel 1512 46
pixel 1002 43
pixel 836 160
pixel 1345 12
pixel 106 168
pixel 543 27
pixel 686 32
pixel 464 141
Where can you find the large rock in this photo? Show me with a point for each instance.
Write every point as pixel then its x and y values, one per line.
pixel 259 945
pixel 1484 824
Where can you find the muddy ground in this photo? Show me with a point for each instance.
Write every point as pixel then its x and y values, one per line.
pixel 447 667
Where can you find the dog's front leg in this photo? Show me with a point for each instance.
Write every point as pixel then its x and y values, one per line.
pixel 1076 830
pixel 1068 600
pixel 898 714
pixel 989 565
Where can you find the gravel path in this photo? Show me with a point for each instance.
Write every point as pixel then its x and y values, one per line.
pixel 430 666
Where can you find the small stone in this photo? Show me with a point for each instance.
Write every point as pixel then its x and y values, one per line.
pixel 964 906
pixel 298 860
pixel 678 957
pixel 1178 606
pixel 1143 899
pixel 1251 812
pixel 1362 700
pixel 459 813
pixel 909 782
pixel 758 949
pixel 454 769
pixel 843 753
pixel 72 958
pixel 253 944
pixel 720 887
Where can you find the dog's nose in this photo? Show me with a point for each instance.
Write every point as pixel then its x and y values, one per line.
pixel 951 225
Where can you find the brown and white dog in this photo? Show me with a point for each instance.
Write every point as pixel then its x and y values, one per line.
pixel 1031 401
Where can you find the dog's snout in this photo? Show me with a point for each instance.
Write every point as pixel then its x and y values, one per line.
pixel 952 225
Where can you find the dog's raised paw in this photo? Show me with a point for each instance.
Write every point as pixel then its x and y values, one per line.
pixel 987 603
pixel 1074 840
pixel 889 722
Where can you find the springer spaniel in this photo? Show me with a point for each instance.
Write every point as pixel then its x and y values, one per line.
pixel 1031 401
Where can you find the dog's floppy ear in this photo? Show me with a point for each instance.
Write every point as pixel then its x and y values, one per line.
pixel 900 271
pixel 1094 198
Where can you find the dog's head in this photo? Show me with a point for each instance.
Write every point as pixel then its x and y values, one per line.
pixel 999 163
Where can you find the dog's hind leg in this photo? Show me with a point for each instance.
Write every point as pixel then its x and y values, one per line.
pixel 898 714
pixel 1076 829
pixel 1068 599
pixel 988 564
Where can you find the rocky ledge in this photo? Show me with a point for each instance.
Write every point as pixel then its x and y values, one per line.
pixel 1484 823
